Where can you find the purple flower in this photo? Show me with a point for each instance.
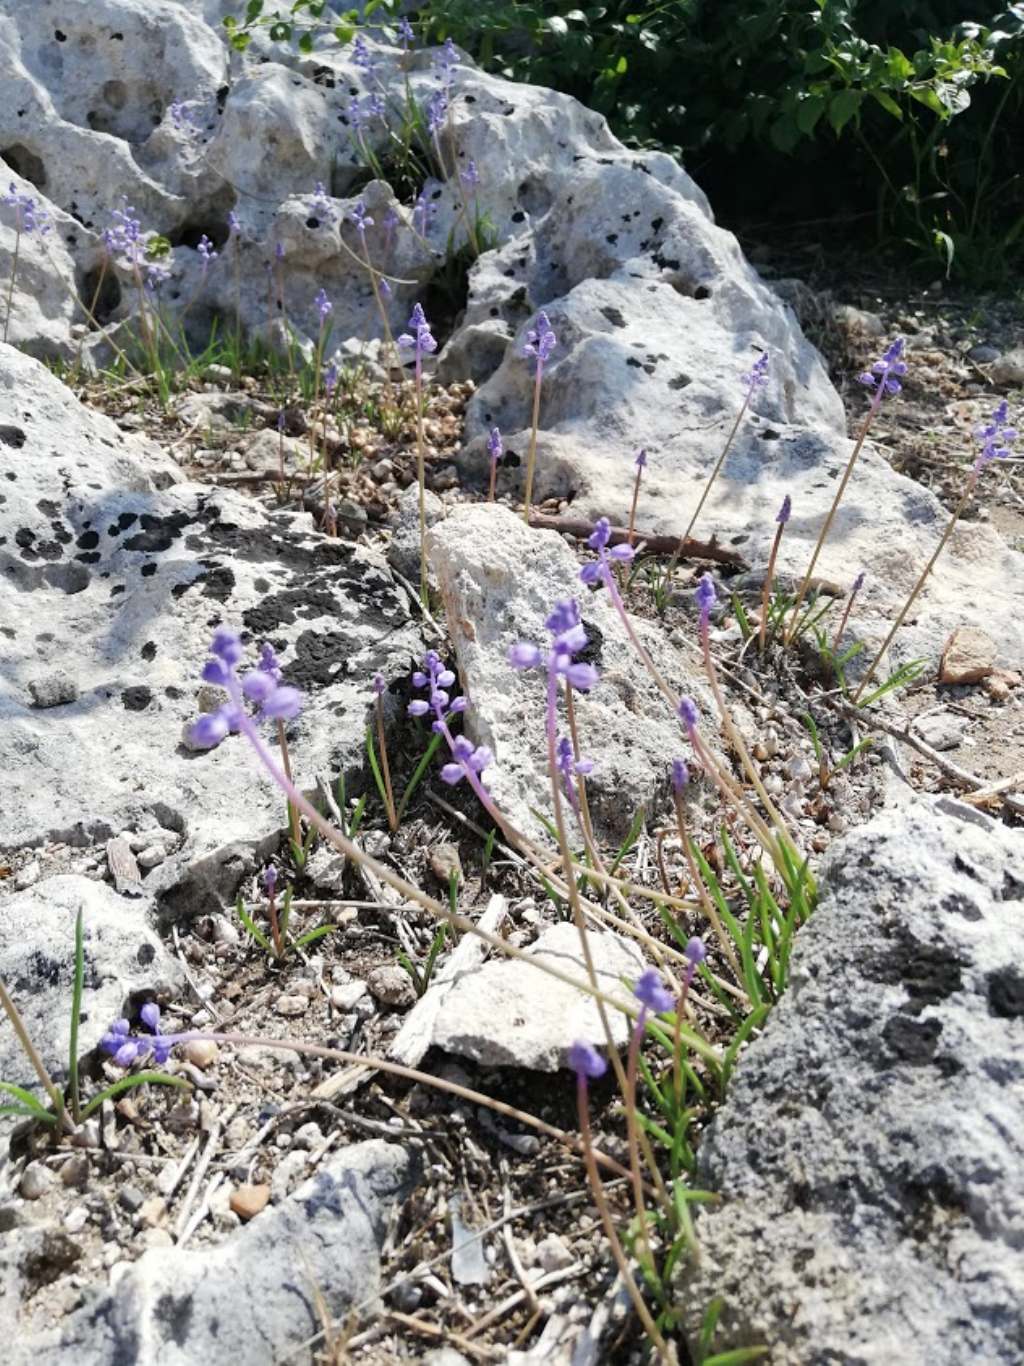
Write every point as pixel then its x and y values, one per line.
pixel 361 54
pixel 586 1061
pixel 568 639
pixel 234 223
pixel 331 373
pixel 540 341
pixel 29 216
pixel 125 234
pixel 494 446
pixel 757 375
pixel 126 1048
pixel 320 206
pixel 423 212
pixel 884 374
pixel 468 760
pixel 445 60
pixel 470 177
pixel 784 512
pixel 858 583
pixel 680 774
pixel 641 459
pixel 569 767
pixel 420 337
pixel 379 686
pixel 600 570
pixel 206 251
pixel 279 252
pixel 276 700
pixel 695 953
pixel 323 305
pixel 361 218
pixel 996 436
pixel 688 713
pixel 391 220
pixel 650 992
pixel 270 880
pixel 437 110
pixel 182 119
pixel 524 655
pixel 706 598
pixel 269 663
pixel 406 34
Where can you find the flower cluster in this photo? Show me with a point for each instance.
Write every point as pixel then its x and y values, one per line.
pixel 30 217
pixel 568 639
pixel 570 767
pixel 495 449
pixel 706 598
pixel 323 305
pixel 785 512
pixel 757 375
pixel 540 341
pixel 419 338
pixel 884 375
pixel 470 177
pixel 424 211
pixel 600 570
pixel 320 206
pixel 361 218
pixel 206 251
pixel 468 760
pixel 126 1048
pixel 996 436
pixel 182 119
pixel 262 686
pixel 586 1062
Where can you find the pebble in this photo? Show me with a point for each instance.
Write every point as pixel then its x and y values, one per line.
pixel 345 995
pixel 969 656
pixel 799 768
pixel 151 856
pixel 152 1212
pixel 444 860
pixel 130 1198
pixel 307 1135
pixel 77 1219
pixel 1009 368
pixel 942 731
pixel 36 1180
pixel 286 1174
pixel 218 374
pixel 224 932
pixel 247 1201
pixel 75 1171
pixel 984 354
pixel 553 1253
pixel 392 985
pixel 201 1052
pixel 55 690
pixel 157 1237
pixel 28 876
pixel 291 1005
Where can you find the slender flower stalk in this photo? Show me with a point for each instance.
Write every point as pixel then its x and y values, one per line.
pixel 998 438
pixel 28 218
pixel 654 999
pixel 641 464
pixel 883 378
pixel 270 887
pixel 680 779
pixel 754 379
pixel 379 688
pixel 495 450
pixel 782 518
pixel 587 1063
pixel 421 342
pixel 540 342
pixel 858 584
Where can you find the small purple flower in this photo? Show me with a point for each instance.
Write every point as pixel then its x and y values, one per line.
pixel 600 570
pixel 568 639
pixel 323 305
pixel 379 686
pixel 29 217
pixel 884 374
pixel 757 375
pixel 423 212
pixel 269 663
pixel 391 220
pixel 570 767
pixel 320 206
pixel 524 655
pixel 650 992
pixel 996 436
pixel 445 61
pixel 641 459
pixel 784 512
pixel 494 445
pixel 680 775
pixel 361 54
pixel 276 701
pixel 706 598
pixel 361 218
pixel 470 177
pixel 406 34
pixel 279 252
pixel 858 583
pixel 688 713
pixel 206 251
pixel 182 119
pixel 437 110
pixel 270 880
pixel 540 341
pixel 331 374
pixel 695 954
pixel 586 1061
pixel 420 338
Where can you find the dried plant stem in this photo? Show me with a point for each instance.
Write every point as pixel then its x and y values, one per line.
pixel 965 499
pixel 493 481
pixel 286 764
pixel 531 458
pixel 766 591
pixel 385 767
pixel 827 526
pixel 29 1048
pixel 597 1192
pixel 14 273
pixel 843 620
pixel 705 899
pixel 707 487
pixel 421 477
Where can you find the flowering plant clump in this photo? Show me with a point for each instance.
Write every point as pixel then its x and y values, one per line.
pixel 275 700
pixel 468 760
pixel 568 639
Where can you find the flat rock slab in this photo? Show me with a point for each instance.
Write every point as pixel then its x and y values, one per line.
pixel 499 581
pixel 870 1153
pixel 508 1014
pixel 113 576
pixel 253 1296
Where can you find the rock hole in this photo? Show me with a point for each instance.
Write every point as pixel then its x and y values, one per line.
pixel 13 437
pixel 189 234
pixel 100 290
pixel 535 197
pixel 26 164
pixel 115 93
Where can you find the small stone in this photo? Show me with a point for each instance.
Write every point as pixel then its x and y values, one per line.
pixel 151 856
pixel 36 1180
pixel 941 731
pixel 969 656
pixel 130 1198
pixel 291 1005
pixel 28 876
pixel 224 932
pixel 383 469
pixel 1009 368
pixel 247 1201
pixel 152 1212
pixel 353 515
pixel 799 768
pixel 218 374
pixel 392 985
pixel 201 1052
pixel 77 1219
pixel 984 354
pixel 345 995
pixel 444 860
pixel 74 1172
pixel 123 868
pixel 307 1136
pixel 287 1173
pixel 157 1237
pixel 553 1253
pixel 56 690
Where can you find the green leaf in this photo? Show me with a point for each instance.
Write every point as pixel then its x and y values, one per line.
pixel 30 1107
pixel 809 111
pixel 418 773
pixel 253 10
pixel 344 32
pixel 250 925
pixel 842 108
pixel 129 1084
pixel 306 43
pixel 314 935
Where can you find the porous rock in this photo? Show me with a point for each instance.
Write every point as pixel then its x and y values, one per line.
pixel 499 581
pixel 508 1013
pixel 869 1154
pixel 257 1290
pixel 116 571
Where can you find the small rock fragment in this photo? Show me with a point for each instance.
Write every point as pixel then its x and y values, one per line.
pixel 130 1198
pixel 553 1253
pixel 444 860
pixel 941 731
pixel 291 1005
pixel 56 690
pixel 151 856
pixel 36 1180
pixel 201 1052
pixel 75 1171
pixel 28 876
pixel 346 994
pixel 123 868
pixel 391 985
pixel 247 1201
pixel 1009 368
pixel 969 656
